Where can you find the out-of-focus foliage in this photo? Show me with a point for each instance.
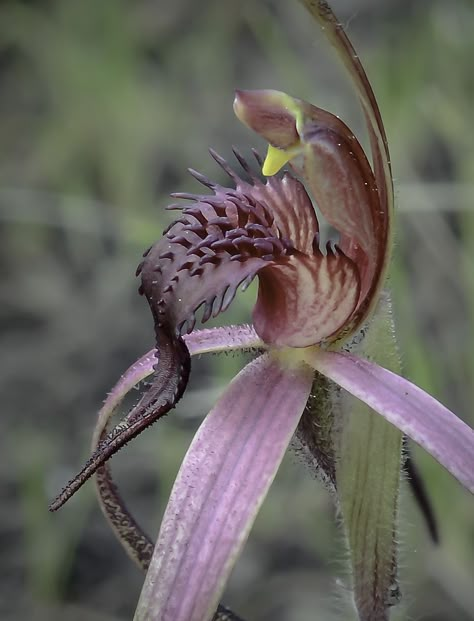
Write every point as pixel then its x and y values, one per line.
pixel 103 105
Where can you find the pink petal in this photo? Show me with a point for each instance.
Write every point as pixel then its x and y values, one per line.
pixel 214 340
pixel 227 338
pixel 219 489
pixel 135 374
pixel 307 300
pixel 448 439
pixel 127 530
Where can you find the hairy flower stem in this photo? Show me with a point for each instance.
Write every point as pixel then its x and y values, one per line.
pixel 368 481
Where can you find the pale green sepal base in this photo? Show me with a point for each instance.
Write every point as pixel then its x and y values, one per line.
pixel 368 481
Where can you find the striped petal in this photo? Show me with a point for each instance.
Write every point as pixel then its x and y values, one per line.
pixel 328 157
pixel 333 163
pixel 431 425
pixel 307 300
pixel 331 27
pixel 219 490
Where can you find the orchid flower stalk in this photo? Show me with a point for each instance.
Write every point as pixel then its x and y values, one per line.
pixel 325 371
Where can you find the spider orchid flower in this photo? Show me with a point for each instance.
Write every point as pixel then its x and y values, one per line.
pixel 320 319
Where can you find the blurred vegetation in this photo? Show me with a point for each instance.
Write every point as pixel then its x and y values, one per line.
pixel 103 106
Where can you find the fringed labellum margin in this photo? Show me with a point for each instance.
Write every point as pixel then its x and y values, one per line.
pixel 224 240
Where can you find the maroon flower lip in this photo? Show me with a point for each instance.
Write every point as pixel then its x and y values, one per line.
pixel 223 240
pixel 219 243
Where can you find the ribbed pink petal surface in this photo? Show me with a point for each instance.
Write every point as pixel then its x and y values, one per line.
pixel 447 438
pixel 199 342
pixel 219 489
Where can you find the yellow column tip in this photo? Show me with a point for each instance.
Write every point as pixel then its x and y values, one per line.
pixel 275 160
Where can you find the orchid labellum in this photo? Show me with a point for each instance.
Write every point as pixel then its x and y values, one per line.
pixel 320 319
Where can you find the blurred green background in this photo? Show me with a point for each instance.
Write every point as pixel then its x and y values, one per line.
pixel 103 106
